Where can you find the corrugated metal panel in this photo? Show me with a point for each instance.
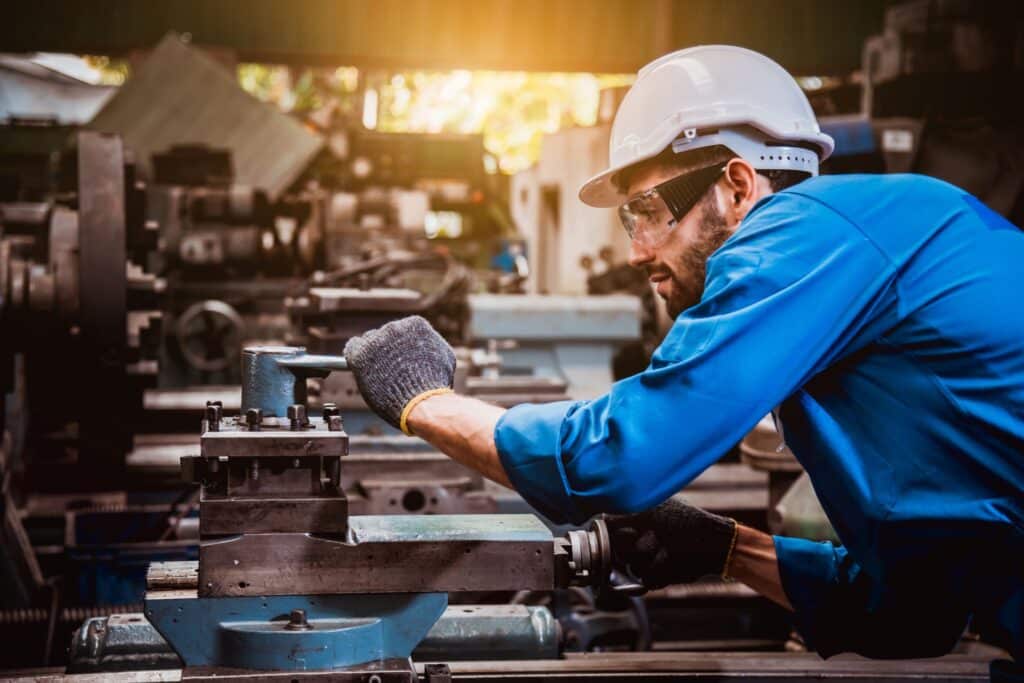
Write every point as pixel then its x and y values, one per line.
pixel 181 96
pixel 809 36
pixel 31 91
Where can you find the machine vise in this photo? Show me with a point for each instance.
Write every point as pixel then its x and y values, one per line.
pixel 288 580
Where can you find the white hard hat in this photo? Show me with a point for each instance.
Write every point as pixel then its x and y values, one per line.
pixel 712 95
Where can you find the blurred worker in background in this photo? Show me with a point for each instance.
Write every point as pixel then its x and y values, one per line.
pixel 878 317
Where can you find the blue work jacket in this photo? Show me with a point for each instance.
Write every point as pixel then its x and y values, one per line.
pixel 883 317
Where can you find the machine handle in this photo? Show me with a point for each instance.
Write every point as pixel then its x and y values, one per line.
pixel 311 362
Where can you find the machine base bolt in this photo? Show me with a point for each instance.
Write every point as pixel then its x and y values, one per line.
pixel 297 417
pixel 297 621
pixel 254 419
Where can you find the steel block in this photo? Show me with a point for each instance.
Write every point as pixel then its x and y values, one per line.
pixel 385 554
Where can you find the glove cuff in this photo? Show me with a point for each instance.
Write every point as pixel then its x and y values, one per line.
pixel 419 398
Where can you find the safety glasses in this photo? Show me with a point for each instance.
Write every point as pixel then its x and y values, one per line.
pixel 650 216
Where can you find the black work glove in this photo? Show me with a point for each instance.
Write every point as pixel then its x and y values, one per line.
pixel 401 362
pixel 672 543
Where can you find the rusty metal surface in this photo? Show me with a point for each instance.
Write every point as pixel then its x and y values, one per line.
pixel 274 444
pixel 306 514
pixel 719 666
pixel 385 554
pixel 172 575
pixel 703 667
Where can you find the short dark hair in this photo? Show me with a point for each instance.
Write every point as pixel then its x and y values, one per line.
pixel 699 158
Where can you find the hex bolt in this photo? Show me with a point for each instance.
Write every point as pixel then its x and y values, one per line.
pixel 335 424
pixel 330 410
pixel 213 415
pixel 254 418
pixel 297 621
pixel 297 417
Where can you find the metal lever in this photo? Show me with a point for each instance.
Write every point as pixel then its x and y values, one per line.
pixel 314 362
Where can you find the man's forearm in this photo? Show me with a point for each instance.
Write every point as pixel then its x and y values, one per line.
pixel 754 563
pixel 462 428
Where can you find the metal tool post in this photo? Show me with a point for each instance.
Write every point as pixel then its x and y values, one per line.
pixel 287 580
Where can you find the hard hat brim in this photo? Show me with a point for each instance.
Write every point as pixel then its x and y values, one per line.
pixel 600 192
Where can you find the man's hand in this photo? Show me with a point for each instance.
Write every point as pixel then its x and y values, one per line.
pixel 398 365
pixel 672 543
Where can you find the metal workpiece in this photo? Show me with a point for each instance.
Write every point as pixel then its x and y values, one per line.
pixel 261 632
pixel 385 554
pixel 274 377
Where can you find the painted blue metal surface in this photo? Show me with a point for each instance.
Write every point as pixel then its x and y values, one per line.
pixel 274 377
pixel 250 633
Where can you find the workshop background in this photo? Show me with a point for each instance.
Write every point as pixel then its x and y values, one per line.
pixel 183 180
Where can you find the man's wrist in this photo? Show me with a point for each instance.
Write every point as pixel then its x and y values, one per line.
pixel 414 402
pixel 418 412
pixel 753 562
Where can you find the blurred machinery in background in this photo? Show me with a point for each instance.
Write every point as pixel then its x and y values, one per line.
pixel 129 309
pixel 938 98
pixel 79 312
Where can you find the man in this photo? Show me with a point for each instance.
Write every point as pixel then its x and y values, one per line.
pixel 880 316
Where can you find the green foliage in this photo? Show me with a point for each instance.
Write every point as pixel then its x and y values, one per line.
pixel 513 110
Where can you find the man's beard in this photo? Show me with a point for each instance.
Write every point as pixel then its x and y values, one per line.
pixel 691 268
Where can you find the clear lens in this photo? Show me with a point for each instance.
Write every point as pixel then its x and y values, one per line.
pixel 646 218
pixel 649 217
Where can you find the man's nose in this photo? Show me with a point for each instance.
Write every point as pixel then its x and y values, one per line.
pixel 639 254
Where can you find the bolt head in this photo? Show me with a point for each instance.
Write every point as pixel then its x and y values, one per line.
pixel 253 418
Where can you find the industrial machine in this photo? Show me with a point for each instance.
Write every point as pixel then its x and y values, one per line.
pixel 287 579
pixel 76 302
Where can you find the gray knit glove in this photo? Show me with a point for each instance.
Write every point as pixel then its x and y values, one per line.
pixel 399 362
pixel 672 543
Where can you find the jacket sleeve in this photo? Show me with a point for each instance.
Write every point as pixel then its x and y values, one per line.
pixel 839 608
pixel 785 296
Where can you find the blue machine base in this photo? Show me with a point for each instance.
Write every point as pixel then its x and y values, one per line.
pixel 250 633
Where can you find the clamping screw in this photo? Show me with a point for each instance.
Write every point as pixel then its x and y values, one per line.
pixel 297 621
pixel 334 423
pixel 330 409
pixel 254 418
pixel 297 417
pixel 214 410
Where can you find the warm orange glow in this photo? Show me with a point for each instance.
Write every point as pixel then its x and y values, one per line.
pixel 512 109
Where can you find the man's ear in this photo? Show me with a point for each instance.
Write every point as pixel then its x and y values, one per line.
pixel 741 189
